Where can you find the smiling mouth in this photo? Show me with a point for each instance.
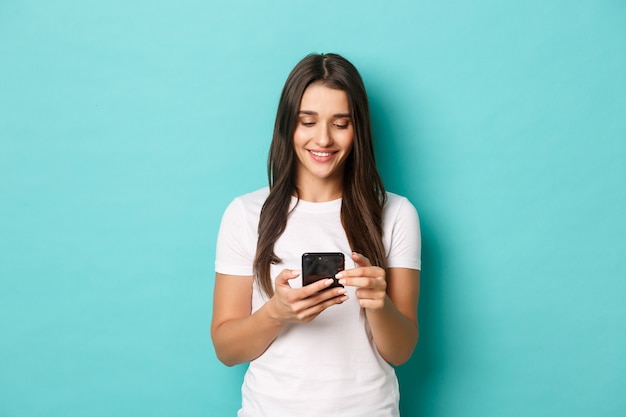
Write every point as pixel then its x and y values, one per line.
pixel 321 154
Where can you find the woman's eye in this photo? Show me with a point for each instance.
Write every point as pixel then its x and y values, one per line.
pixel 341 125
pixel 307 124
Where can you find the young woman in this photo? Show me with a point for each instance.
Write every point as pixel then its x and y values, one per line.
pixel 318 350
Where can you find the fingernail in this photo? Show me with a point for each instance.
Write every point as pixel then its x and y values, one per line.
pixel 339 275
pixel 329 281
pixel 342 281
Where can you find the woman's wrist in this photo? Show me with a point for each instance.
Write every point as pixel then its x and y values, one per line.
pixel 271 311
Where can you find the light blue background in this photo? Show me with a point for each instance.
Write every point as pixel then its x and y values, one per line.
pixel 126 127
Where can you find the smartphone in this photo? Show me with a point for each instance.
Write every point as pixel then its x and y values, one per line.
pixel 322 265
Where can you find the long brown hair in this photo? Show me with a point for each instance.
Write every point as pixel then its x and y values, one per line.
pixel 363 191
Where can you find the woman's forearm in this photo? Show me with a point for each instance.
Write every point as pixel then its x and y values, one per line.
pixel 239 336
pixel 395 335
pixel 244 339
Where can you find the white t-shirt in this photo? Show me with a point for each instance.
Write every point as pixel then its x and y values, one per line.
pixel 329 366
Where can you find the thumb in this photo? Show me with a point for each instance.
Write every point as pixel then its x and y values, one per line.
pixel 360 260
pixel 285 275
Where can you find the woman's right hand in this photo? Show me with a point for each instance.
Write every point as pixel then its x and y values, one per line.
pixel 302 304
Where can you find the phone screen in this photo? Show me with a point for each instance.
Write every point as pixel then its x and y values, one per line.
pixel 322 265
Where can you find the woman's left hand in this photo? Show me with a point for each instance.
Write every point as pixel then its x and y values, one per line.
pixel 369 280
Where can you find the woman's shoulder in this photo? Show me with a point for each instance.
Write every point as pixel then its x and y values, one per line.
pixel 394 200
pixel 397 204
pixel 255 197
pixel 250 202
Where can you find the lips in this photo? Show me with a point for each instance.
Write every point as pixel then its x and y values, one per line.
pixel 321 156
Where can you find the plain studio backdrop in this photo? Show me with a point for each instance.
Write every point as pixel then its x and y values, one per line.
pixel 126 127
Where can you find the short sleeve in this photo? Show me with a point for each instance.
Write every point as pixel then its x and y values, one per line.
pixel 402 234
pixel 236 241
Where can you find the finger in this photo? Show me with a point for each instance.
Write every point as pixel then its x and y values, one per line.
pixel 316 287
pixel 360 260
pixel 369 294
pixel 304 304
pixel 376 284
pixel 313 311
pixel 363 271
pixel 325 295
pixel 320 298
pixel 360 282
pixel 373 272
pixel 285 275
pixel 304 307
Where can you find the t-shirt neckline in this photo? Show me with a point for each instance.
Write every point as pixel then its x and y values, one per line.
pixel 316 207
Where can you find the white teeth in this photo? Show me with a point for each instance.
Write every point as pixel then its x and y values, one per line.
pixel 321 154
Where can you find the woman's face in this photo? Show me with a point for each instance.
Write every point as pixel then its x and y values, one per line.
pixel 324 134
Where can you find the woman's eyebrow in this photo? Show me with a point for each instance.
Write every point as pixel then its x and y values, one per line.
pixel 314 113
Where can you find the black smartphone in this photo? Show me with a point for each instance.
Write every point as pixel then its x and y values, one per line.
pixel 322 265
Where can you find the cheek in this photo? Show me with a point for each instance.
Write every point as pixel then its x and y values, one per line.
pixel 347 139
pixel 299 137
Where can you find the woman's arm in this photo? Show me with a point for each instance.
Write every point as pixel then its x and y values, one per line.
pixel 240 336
pixel 395 326
pixel 390 302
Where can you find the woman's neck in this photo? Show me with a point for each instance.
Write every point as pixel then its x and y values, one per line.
pixel 319 191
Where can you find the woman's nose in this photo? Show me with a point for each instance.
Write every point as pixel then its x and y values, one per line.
pixel 324 137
